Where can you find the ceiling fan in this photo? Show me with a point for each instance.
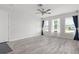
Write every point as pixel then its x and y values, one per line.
pixel 42 10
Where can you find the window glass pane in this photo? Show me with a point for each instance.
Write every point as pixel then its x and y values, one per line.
pixel 69 25
pixel 46 25
pixel 55 25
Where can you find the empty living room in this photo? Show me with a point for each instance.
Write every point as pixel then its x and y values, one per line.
pixel 39 28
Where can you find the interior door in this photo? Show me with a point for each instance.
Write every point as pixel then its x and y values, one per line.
pixel 3 26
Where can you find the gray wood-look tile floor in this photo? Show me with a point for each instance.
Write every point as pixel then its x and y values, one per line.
pixel 44 45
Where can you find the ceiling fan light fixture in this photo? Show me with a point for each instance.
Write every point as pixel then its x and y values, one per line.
pixel 42 10
pixel 40 5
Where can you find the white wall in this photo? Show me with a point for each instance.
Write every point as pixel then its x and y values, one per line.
pixel 3 26
pixel 23 23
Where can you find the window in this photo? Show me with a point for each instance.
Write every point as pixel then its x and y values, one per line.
pixel 46 25
pixel 55 25
pixel 69 25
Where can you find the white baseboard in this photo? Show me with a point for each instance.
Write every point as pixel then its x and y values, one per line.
pixel 23 37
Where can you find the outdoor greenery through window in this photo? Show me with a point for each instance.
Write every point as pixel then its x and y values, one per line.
pixel 55 25
pixel 69 25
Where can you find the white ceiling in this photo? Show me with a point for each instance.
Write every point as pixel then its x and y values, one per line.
pixel 56 8
pixel 63 8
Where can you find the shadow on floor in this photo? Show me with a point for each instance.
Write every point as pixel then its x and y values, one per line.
pixel 4 48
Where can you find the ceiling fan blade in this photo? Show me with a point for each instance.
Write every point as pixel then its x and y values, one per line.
pixel 48 13
pixel 42 9
pixel 40 5
pixel 39 10
pixel 48 10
